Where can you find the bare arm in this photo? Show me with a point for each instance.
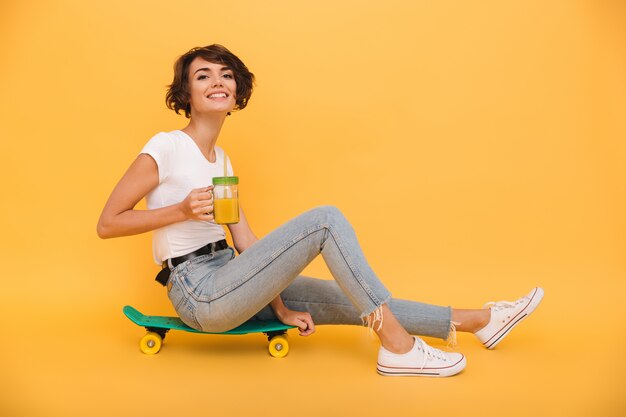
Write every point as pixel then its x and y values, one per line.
pixel 119 218
pixel 243 236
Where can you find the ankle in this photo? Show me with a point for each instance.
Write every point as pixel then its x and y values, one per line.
pixel 470 321
pixel 399 347
pixel 482 321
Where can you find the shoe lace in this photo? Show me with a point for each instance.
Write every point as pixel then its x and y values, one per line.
pixel 430 352
pixel 499 305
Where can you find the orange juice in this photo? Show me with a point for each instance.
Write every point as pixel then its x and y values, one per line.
pixel 226 210
pixel 226 199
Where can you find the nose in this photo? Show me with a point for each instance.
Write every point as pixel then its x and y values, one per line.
pixel 217 82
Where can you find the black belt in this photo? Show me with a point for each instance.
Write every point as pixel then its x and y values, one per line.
pixel 208 249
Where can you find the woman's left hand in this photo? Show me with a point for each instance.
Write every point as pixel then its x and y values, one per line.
pixel 302 319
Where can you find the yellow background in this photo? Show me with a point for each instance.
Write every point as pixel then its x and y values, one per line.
pixel 476 146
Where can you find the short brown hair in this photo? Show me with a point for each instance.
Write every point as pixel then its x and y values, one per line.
pixel 177 97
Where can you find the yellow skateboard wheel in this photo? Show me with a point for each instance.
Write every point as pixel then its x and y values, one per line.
pixel 279 347
pixel 150 343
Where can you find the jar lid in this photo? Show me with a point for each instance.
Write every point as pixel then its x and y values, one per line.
pixel 225 180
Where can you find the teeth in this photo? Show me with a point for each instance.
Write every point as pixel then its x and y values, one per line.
pixel 218 95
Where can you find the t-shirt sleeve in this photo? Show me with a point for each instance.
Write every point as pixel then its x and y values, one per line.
pixel 160 147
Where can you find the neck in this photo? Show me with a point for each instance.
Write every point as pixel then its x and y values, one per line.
pixel 204 129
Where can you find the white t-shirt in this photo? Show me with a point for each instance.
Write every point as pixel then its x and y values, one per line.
pixel 182 167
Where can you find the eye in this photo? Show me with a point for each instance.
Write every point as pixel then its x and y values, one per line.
pixel 228 75
pixel 202 77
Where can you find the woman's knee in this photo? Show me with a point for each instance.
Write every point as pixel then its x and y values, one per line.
pixel 331 214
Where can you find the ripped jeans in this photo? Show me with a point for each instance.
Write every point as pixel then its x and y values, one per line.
pixel 218 292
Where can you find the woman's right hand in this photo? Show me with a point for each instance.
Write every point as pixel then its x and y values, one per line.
pixel 198 205
pixel 302 319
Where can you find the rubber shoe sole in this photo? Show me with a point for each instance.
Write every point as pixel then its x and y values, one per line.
pixel 415 371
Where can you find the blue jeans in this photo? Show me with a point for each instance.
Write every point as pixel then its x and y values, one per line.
pixel 218 292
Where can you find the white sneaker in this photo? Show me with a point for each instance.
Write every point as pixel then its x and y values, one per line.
pixel 421 360
pixel 505 315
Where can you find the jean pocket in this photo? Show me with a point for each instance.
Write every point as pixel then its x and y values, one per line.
pixel 175 292
pixel 196 278
pixel 198 262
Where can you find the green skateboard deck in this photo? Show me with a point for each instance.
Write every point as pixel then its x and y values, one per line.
pixel 158 326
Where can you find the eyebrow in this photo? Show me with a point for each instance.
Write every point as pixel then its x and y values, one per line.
pixel 207 69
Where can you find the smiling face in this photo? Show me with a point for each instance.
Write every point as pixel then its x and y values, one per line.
pixel 212 87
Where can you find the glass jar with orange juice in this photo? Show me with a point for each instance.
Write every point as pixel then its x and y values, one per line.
pixel 225 200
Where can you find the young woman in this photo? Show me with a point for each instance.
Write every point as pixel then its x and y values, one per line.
pixel 214 290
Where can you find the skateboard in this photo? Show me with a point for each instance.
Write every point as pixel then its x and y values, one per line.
pixel 158 326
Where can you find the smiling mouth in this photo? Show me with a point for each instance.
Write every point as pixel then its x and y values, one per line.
pixel 218 95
